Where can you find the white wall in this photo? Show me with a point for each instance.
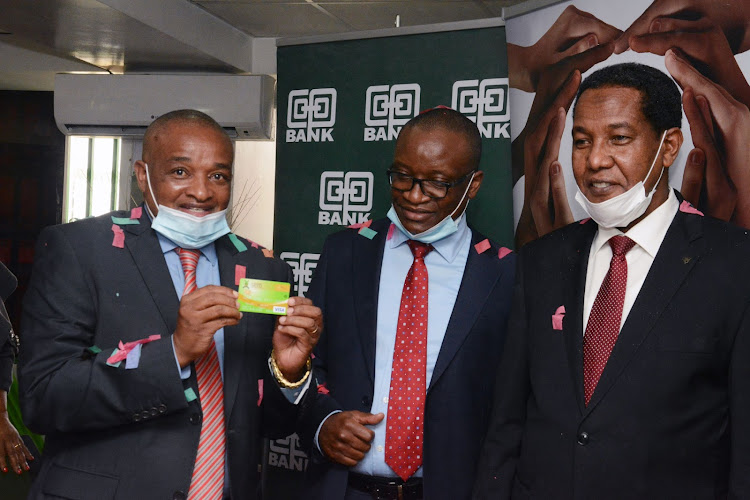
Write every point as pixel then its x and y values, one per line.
pixel 253 190
pixel 255 168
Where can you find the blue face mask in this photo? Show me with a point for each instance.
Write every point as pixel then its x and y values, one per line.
pixel 187 231
pixel 441 230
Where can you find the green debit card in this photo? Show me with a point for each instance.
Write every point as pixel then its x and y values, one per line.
pixel 261 296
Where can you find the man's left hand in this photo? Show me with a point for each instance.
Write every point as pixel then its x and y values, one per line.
pixel 295 336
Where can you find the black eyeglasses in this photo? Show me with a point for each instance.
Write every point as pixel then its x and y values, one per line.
pixel 432 188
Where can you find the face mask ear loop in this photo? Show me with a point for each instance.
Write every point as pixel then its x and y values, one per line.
pixel 466 191
pixel 661 143
pixel 153 196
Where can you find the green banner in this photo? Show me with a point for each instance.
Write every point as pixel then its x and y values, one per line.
pixel 341 105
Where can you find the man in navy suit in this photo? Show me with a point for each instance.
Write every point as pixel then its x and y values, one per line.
pixel 625 373
pixel 360 286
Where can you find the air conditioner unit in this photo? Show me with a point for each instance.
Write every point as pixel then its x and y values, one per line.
pixel 124 105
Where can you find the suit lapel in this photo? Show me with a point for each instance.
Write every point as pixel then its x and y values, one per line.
pixel 574 265
pixel 234 336
pixel 367 257
pixel 681 249
pixel 480 276
pixel 146 252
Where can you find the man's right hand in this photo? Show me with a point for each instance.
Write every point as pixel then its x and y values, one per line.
pixel 201 314
pixel 344 438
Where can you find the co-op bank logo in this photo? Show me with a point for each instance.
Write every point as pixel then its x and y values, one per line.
pixel 345 197
pixel 485 102
pixel 388 108
pixel 311 114
pixel 303 265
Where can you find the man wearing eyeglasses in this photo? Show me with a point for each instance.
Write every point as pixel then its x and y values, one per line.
pixel 415 308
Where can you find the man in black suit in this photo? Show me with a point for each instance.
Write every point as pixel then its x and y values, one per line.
pixel 179 409
pixel 361 284
pixel 625 373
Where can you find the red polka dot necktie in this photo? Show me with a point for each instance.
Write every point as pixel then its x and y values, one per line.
pixel 404 429
pixel 208 474
pixel 606 314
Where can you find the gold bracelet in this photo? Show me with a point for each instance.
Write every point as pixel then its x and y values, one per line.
pixel 283 382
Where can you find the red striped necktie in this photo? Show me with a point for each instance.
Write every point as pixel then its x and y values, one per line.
pixel 208 473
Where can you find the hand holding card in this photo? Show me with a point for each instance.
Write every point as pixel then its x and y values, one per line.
pixel 261 296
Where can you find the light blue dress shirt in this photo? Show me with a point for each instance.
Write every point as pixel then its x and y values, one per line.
pixel 445 270
pixel 206 273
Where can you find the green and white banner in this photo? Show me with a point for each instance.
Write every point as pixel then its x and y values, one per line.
pixel 341 105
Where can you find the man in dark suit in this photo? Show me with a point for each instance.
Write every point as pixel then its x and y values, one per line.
pixel 362 282
pixel 625 373
pixel 178 408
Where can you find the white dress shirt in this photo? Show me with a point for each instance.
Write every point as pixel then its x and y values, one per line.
pixel 648 235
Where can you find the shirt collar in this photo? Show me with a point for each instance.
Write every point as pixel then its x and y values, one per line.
pixel 649 232
pixel 447 247
pixel 167 245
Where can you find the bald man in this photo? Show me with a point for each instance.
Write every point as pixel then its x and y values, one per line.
pixel 364 286
pixel 137 364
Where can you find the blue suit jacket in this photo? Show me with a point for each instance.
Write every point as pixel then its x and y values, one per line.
pixel 457 409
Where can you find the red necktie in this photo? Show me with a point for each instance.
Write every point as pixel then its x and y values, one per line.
pixel 208 473
pixel 404 428
pixel 606 314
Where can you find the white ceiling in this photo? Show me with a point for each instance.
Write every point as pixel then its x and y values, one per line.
pixel 41 37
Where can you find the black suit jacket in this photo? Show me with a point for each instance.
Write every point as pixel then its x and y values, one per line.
pixel 113 433
pixel 669 417
pixel 457 408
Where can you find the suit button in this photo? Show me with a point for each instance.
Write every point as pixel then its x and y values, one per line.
pixel 195 418
pixel 178 495
pixel 366 401
pixel 145 414
pixel 583 438
pixel 154 412
pixel 136 417
pixel 162 408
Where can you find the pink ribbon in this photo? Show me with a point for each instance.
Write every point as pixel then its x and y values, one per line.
pixel 504 252
pixel 482 246
pixel 360 225
pixel 124 349
pixel 686 207
pixel 119 239
pixel 557 318
pixel 239 273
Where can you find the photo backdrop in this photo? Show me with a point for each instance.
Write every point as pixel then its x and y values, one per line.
pixel 713 53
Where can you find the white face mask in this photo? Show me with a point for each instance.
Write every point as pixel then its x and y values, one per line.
pixel 186 230
pixel 441 230
pixel 626 207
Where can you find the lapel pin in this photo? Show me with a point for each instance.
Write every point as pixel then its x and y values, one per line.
pixel 686 260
